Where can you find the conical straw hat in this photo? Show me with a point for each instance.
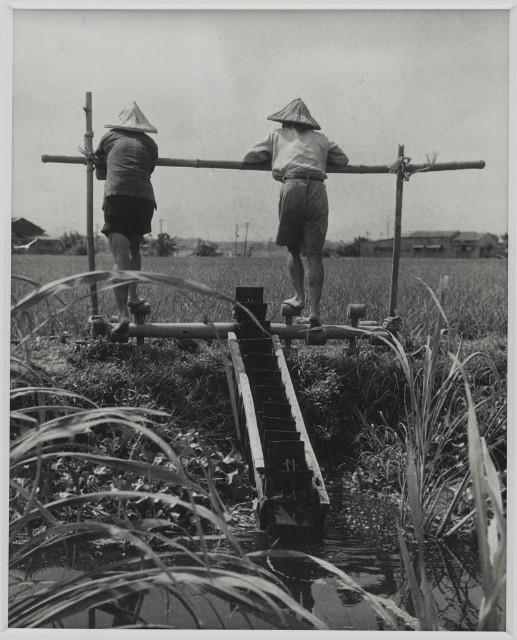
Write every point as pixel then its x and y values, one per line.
pixel 295 112
pixel 132 119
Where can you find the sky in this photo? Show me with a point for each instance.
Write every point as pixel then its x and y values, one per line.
pixel 435 81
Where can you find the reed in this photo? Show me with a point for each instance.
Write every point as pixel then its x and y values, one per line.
pixel 430 431
pixel 162 518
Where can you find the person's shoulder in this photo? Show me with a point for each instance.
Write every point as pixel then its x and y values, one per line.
pixel 109 135
pixel 148 140
pixel 271 135
pixel 153 142
pixel 320 136
pixel 282 133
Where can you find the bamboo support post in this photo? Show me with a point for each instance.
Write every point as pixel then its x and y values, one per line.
pixel 90 244
pixel 397 233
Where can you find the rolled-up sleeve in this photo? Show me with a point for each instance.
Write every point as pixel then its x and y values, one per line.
pixel 336 156
pixel 261 152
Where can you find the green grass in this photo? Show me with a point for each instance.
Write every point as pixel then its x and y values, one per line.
pixel 426 400
pixel 476 302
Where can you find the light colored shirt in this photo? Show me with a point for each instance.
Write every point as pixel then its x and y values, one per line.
pixel 295 151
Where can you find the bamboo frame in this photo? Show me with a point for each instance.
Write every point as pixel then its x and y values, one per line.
pixel 404 171
pixel 215 330
pixel 90 243
pixel 397 232
pixel 241 166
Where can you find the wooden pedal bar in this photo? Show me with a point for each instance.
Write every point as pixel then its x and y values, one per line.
pixel 220 330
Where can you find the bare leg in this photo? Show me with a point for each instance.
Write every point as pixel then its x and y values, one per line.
pixel 119 244
pixel 297 273
pixel 316 276
pixel 135 260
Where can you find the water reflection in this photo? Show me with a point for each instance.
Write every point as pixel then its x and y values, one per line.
pixel 359 540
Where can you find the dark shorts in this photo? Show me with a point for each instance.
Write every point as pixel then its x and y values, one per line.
pixel 303 211
pixel 128 215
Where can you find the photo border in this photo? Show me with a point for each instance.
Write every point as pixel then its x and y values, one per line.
pixel 7 10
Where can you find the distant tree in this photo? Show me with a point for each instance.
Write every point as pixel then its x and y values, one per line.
pixel 74 244
pixel 328 250
pixel 163 245
pixel 207 249
pixel 348 249
pixel 101 243
pixel 341 250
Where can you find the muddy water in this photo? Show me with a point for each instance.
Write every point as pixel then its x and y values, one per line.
pixel 360 540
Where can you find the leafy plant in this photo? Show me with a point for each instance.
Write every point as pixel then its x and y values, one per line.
pixel 429 431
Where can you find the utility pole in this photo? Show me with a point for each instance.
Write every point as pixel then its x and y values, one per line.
pixel 247 225
pixel 235 248
pixel 161 226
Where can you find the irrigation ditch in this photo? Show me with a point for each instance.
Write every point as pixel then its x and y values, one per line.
pixel 356 409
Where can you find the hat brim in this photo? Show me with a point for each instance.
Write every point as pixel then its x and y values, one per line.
pixel 136 129
pixel 297 123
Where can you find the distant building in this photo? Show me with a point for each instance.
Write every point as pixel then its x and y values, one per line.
pixel 47 244
pixel 471 244
pixel 23 230
pixel 27 237
pixel 435 244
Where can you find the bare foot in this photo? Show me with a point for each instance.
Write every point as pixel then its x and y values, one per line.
pixel 314 320
pixel 122 326
pixel 295 302
pixel 135 302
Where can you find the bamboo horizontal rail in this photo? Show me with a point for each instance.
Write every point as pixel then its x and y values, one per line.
pixel 241 166
pixel 199 330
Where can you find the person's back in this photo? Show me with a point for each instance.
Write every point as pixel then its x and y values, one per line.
pixel 299 155
pixel 125 159
pixel 130 159
pixel 297 149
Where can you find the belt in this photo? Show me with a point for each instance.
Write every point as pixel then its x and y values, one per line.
pixel 302 176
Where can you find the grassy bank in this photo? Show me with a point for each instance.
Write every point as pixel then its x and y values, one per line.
pixel 355 408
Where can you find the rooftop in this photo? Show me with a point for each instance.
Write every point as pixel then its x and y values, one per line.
pixel 432 234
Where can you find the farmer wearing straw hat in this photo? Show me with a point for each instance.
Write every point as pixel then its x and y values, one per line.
pixel 299 157
pixel 126 157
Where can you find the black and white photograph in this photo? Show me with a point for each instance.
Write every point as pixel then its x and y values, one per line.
pixel 258 289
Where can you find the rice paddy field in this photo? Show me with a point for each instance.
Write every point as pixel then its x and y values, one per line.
pixel 476 303
pixel 131 502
